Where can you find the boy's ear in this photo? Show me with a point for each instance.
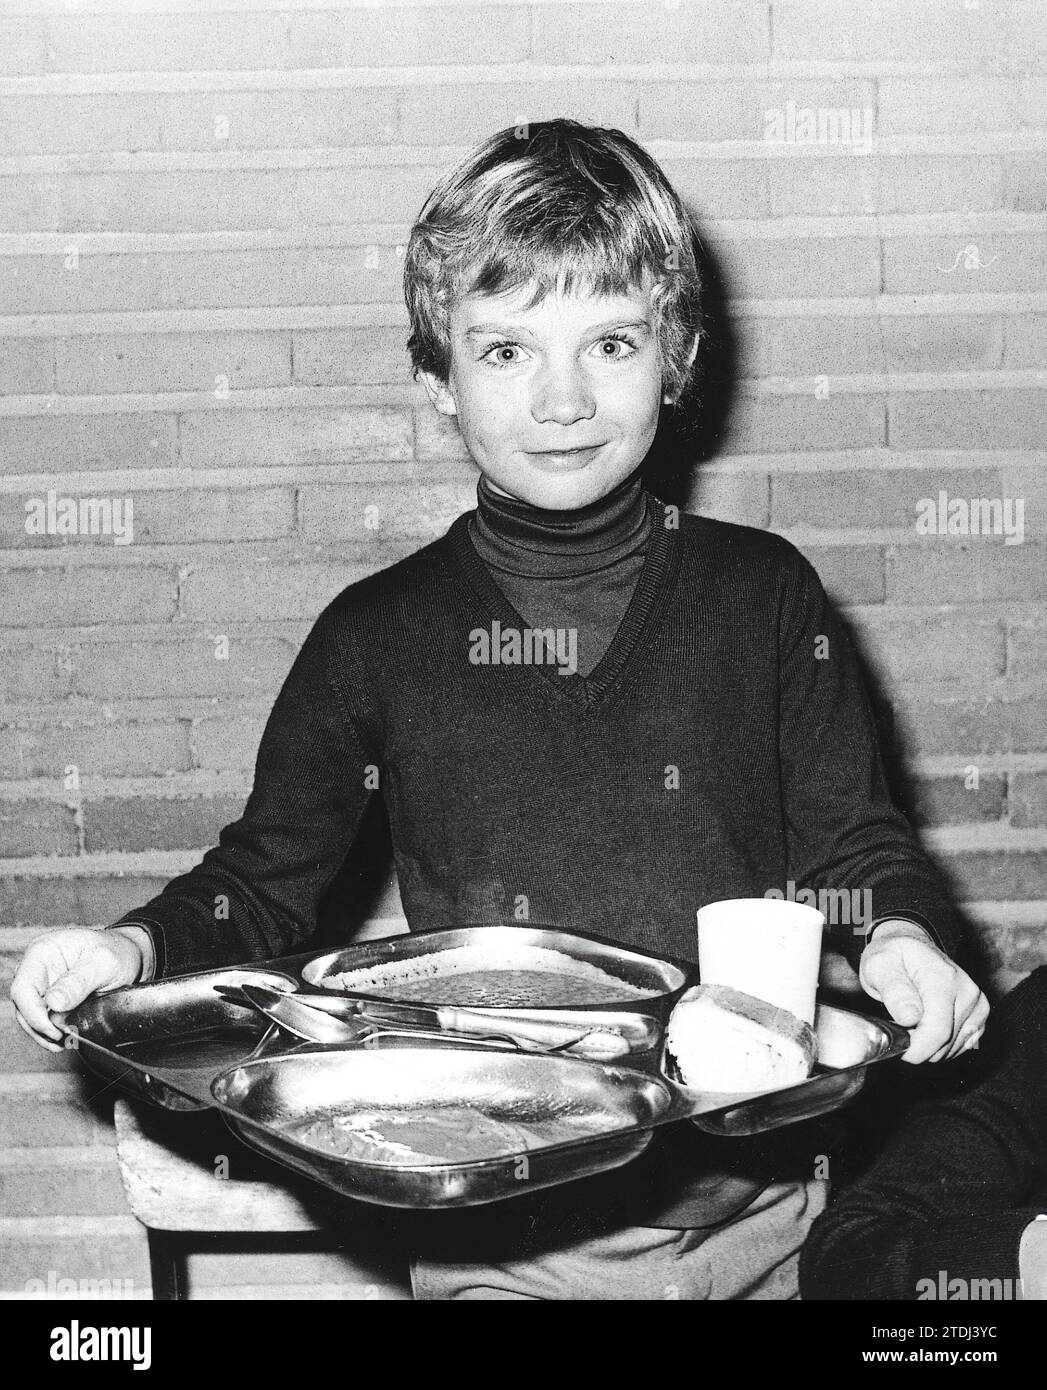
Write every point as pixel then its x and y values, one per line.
pixel 693 352
pixel 439 392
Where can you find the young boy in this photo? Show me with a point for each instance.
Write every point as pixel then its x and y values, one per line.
pixel 583 709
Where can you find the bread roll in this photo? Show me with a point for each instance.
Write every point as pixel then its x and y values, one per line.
pixel 724 1040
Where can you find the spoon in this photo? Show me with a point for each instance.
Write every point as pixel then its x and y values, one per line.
pixel 310 1025
pixel 314 1025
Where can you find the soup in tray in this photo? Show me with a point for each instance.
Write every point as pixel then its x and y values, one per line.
pixel 526 977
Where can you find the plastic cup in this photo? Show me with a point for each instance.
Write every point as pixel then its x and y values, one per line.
pixel 767 947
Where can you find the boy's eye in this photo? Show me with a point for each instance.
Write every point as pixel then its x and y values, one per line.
pixel 615 346
pixel 503 354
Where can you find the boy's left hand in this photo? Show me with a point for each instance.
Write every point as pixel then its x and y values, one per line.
pixel 922 989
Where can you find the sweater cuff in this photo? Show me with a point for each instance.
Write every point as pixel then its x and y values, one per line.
pixel 904 914
pixel 134 931
pixel 917 918
pixel 155 933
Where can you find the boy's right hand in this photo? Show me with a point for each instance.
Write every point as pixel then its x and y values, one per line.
pixel 59 971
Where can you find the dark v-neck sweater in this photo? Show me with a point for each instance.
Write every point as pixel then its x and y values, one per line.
pixel 722 746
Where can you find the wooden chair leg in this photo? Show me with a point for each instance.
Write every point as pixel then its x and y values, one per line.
pixel 167 1265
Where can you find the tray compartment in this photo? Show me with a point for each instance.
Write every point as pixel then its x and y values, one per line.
pixel 168 1039
pixel 847 1044
pixel 661 978
pixel 613 1107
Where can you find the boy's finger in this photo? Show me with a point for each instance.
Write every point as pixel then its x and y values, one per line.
pixel 36 1037
pixel 981 1011
pixel 901 999
pixel 72 988
pixel 972 1026
pixel 93 970
pixel 27 991
pixel 968 1039
pixel 932 1036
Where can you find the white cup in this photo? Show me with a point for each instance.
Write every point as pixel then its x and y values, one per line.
pixel 768 947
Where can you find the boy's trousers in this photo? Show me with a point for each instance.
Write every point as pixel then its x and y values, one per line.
pixel 753 1256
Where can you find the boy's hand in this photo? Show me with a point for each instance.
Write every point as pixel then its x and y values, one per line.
pixel 59 971
pixel 922 989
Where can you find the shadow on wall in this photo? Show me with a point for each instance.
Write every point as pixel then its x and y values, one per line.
pixel 691 433
pixel 898 756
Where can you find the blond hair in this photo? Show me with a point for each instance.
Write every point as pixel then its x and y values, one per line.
pixel 562 206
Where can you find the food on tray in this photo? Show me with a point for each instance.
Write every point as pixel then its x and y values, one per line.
pixel 444 1134
pixel 490 977
pixel 724 1040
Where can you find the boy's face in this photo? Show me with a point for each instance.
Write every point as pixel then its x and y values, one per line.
pixel 559 403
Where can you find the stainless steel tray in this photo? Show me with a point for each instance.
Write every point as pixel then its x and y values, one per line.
pixel 179 1044
pixel 596 1116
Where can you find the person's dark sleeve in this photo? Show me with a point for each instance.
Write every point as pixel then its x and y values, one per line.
pixel 256 894
pixel 953 1189
pixel 843 831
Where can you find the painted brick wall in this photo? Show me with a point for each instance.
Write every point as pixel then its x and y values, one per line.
pixel 203 205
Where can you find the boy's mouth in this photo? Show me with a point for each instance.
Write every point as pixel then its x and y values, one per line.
pixel 568 458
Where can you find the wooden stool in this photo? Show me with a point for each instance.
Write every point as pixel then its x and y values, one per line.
pixel 187 1175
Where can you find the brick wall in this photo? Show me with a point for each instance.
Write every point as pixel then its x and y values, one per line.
pixel 202 205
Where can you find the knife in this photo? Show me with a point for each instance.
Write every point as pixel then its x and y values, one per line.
pixel 602 1042
pixel 531 1034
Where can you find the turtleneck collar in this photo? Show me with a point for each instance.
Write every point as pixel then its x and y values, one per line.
pixel 516 538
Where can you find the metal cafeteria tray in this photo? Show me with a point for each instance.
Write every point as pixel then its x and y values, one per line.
pixel 596 1116
pixel 180 1045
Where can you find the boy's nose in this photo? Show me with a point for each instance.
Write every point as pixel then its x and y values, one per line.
pixel 562 398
